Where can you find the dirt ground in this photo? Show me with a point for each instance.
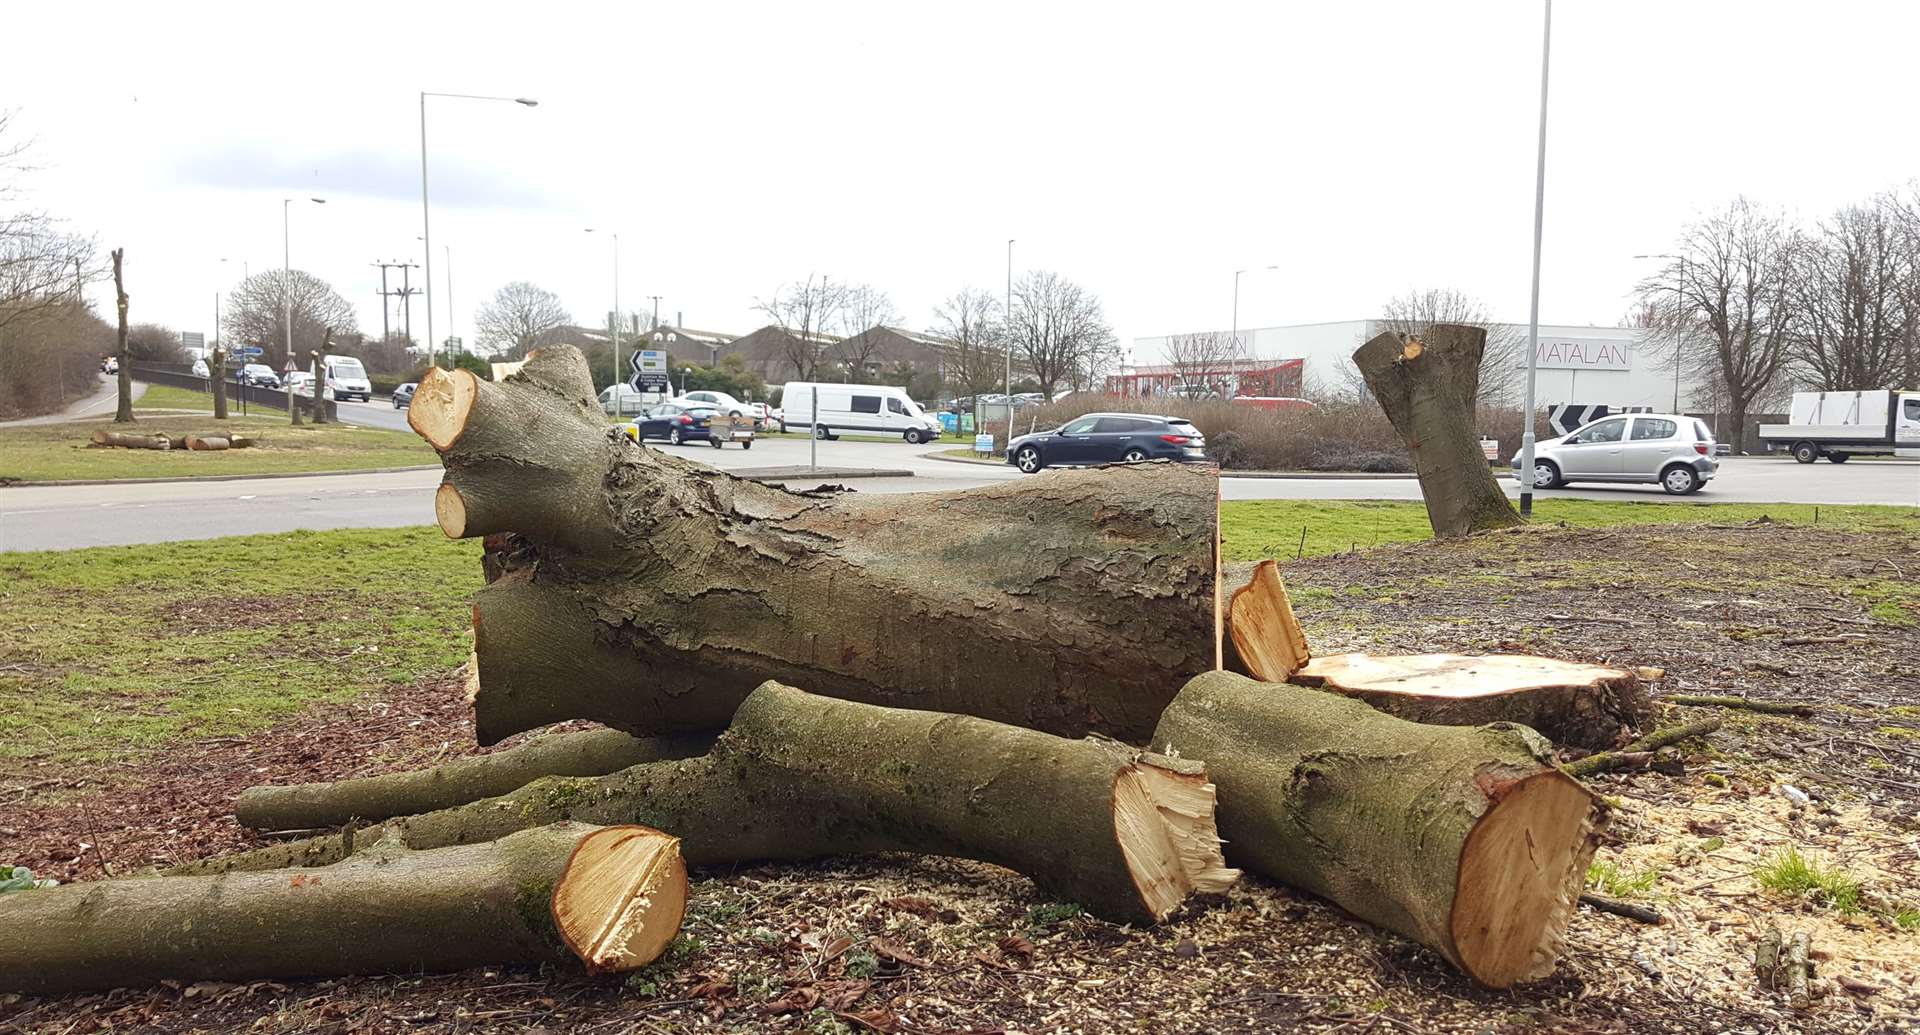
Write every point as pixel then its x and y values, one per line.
pixel 934 945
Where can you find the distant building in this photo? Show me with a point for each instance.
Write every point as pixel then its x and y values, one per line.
pixel 686 345
pixel 1259 377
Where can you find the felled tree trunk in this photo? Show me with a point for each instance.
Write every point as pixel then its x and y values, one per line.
pixel 208 442
pixel 652 594
pixel 797 776
pixel 370 799
pixel 1427 389
pixel 611 897
pixel 1467 840
pixel 123 440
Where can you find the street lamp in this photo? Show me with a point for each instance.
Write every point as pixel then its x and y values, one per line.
pixel 1236 305
pixel 1533 312
pixel 426 222
pixel 286 269
pixel 1007 316
pixel 1682 291
pixel 617 379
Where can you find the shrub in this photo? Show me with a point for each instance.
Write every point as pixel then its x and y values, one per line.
pixel 1335 436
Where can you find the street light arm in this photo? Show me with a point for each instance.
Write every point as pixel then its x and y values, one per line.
pixel 528 101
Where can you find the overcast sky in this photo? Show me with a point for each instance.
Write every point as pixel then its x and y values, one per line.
pixel 1144 150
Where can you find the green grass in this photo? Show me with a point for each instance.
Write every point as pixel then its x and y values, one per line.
pixel 113 651
pixel 1254 529
pixel 54 452
pixel 1619 883
pixel 1787 872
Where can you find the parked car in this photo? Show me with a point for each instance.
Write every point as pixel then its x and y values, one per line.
pixel 110 365
pixel 348 379
pixel 1028 399
pixel 1674 451
pixel 200 368
pixel 621 400
pixel 403 395
pixel 881 409
pixel 762 415
pixel 673 422
pixel 258 374
pixel 721 401
pixel 1105 438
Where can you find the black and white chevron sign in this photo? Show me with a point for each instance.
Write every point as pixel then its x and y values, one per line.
pixel 1565 417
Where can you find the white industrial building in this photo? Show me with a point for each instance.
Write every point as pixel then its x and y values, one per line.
pixel 1578 365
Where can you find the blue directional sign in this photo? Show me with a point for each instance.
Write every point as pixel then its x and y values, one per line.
pixel 249 351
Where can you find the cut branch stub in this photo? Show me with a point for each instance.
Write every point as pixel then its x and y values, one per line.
pixel 1467 840
pixel 652 594
pixel 1266 635
pixel 621 898
pixel 1588 706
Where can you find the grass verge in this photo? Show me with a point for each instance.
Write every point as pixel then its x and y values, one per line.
pixel 57 452
pixel 113 651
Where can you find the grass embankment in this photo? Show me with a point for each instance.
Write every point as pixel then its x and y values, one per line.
pixel 112 651
pixel 55 452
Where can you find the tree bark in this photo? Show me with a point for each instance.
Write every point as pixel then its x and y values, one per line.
pixel 1128 836
pixel 612 897
pixel 1588 706
pixel 1427 389
pixel 123 411
pixel 371 799
pixel 652 594
pixel 217 380
pixel 1467 840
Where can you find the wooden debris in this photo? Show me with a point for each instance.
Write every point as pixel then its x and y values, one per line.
pixel 1603 761
pixel 1618 908
pixel 1265 633
pixel 1745 704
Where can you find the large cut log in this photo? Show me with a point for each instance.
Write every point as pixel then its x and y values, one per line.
pixel 653 594
pixel 123 440
pixel 1467 840
pixel 797 776
pixel 1590 706
pixel 612 897
pixel 1427 388
pixel 307 806
pixel 208 443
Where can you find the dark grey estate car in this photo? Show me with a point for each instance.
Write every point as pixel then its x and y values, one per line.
pixel 1106 438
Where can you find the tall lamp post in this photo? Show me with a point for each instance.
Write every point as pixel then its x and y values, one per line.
pixel 1008 317
pixel 426 220
pixel 617 379
pixel 1533 312
pixel 286 315
pixel 1234 343
pixel 1676 331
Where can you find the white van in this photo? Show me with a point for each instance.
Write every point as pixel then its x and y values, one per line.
pixel 348 378
pixel 876 409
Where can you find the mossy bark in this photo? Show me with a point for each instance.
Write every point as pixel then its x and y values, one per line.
pixel 1427 388
pixel 370 799
pixel 798 776
pixel 387 910
pixel 653 594
pixel 1394 821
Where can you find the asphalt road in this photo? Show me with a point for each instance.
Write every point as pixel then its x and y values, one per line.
pixel 64 517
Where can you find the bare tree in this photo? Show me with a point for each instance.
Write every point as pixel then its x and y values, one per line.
pixel 1904 204
pixel 1503 363
pixel 519 314
pixel 256 314
pixel 153 343
pixel 804 311
pixel 1852 285
pixel 969 321
pixel 1727 302
pixel 123 414
pixel 42 267
pixel 1204 363
pixel 1058 327
pixel 864 310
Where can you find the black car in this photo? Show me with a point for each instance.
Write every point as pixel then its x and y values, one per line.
pixel 674 423
pixel 1106 438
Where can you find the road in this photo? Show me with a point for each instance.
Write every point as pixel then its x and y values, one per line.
pixel 65 517
pixel 106 395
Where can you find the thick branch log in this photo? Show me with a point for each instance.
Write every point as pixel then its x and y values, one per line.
pixel 123 440
pixel 370 799
pixel 208 442
pixel 1602 761
pixel 1467 840
pixel 613 897
pixel 1800 708
pixel 652 594
pixel 1427 389
pixel 797 776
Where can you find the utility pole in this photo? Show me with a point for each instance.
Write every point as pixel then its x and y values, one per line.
pixel 407 291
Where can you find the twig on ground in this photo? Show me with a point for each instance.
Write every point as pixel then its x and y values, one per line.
pixel 1626 909
pixel 1745 704
pixel 1602 761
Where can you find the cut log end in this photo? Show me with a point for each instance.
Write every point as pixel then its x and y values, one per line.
pixel 1265 632
pixel 1521 873
pixel 622 897
pixel 1163 819
pixel 450 511
pixel 438 412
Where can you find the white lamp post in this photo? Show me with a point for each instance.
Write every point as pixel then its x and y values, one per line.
pixel 426 221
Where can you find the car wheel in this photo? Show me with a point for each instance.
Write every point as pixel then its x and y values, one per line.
pixel 914 437
pixel 1134 455
pixel 820 432
pixel 714 441
pixel 1806 452
pixel 1679 480
pixel 1546 475
pixel 1028 460
pixel 1838 458
pixel 748 444
pixel 673 437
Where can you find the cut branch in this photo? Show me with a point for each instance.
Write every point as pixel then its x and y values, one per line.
pixel 652 594
pixel 1467 840
pixel 796 776
pixel 1800 708
pixel 1266 635
pixel 614 895
pixel 1635 752
pixel 370 799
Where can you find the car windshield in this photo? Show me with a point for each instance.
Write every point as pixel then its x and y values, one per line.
pixel 347 366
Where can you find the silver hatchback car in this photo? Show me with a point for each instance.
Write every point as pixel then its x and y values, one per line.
pixel 1673 451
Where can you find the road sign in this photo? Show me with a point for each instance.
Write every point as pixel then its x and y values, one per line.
pixel 249 351
pixel 650 372
pixel 193 340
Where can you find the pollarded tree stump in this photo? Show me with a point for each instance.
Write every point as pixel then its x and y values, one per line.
pixel 1589 706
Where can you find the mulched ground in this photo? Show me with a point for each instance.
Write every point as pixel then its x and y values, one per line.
pixel 933 945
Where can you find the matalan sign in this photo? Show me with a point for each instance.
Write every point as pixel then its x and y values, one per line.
pixel 1584 354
